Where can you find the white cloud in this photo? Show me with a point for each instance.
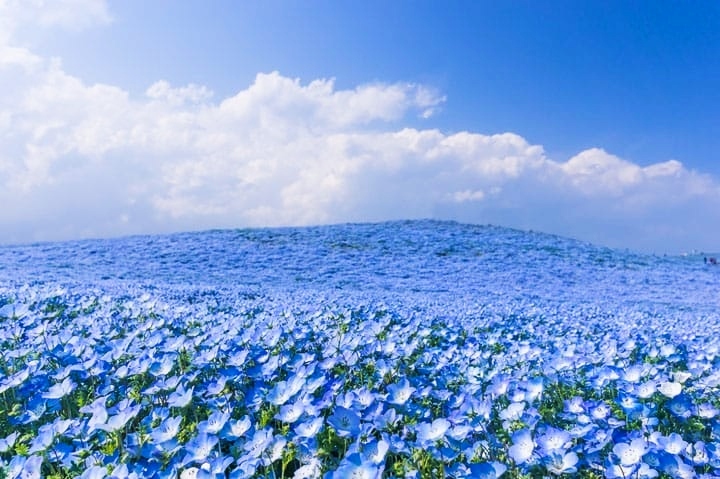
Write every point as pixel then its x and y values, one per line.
pixel 90 160
pixel 69 14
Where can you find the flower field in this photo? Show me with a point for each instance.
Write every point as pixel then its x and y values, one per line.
pixel 407 349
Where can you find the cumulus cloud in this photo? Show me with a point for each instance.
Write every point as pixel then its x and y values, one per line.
pixel 81 160
pixel 68 14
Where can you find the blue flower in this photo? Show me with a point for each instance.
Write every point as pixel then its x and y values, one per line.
pixel 215 469
pixel 553 441
pixel 259 443
pixel 285 390
pixel 167 430
pixel 125 412
pixel 311 470
pixel 429 433
pixel 199 448
pixel 214 423
pixel 99 414
pixel 561 462
pixel 681 406
pixel 675 467
pixel 31 468
pixel 7 443
pixel 236 429
pixel 345 421
pixel 375 451
pixel 400 393
pixel 60 390
pixel 670 389
pixel 630 454
pixel 43 440
pixel 163 367
pixel 309 429
pixel 353 467
pixel 672 444
pixel 290 413
pixel 180 397
pixel 94 472
pixel 523 446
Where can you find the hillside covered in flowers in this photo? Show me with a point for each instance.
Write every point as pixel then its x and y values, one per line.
pixel 416 349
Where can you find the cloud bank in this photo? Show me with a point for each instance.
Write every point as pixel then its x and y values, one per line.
pixel 81 160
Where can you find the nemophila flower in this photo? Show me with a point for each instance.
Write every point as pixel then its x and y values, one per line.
pixel 94 472
pixel 364 398
pixel 43 440
pixel 632 374
pixel 460 432
pixel 190 473
pixel 259 444
pixel 121 471
pixel 698 454
pixel 275 451
pixel 675 467
pixel 311 470
pixel 199 448
pixel 162 367
pixel 670 389
pixel 533 389
pixel 31 468
pixel 99 414
pixel 285 390
pixel 707 411
pixel 630 454
pixel 125 412
pixel 561 462
pixel 553 440
pixel 429 433
pixel 14 468
pixel 14 380
pixel 162 383
pixel 246 467
pixel 346 400
pixel 215 469
pixel 290 413
pixel 310 428
pixel 681 376
pixel 605 375
pixel 375 451
pixel 238 357
pixel 629 403
pixel 387 419
pixel 214 423
pixel 60 390
pixel 522 446
pixel 681 406
pixel 487 470
pixel 400 392
pixel 167 430
pixel 353 467
pixel 646 389
pixel 574 405
pixel 672 444
pixel 644 471
pixel 513 412
pixel 236 429
pixel 216 387
pixel 7 443
pixel 345 421
pixel 600 411
pixel 181 397
pixel 617 471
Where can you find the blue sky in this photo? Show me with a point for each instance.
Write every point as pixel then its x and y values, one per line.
pixel 590 119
